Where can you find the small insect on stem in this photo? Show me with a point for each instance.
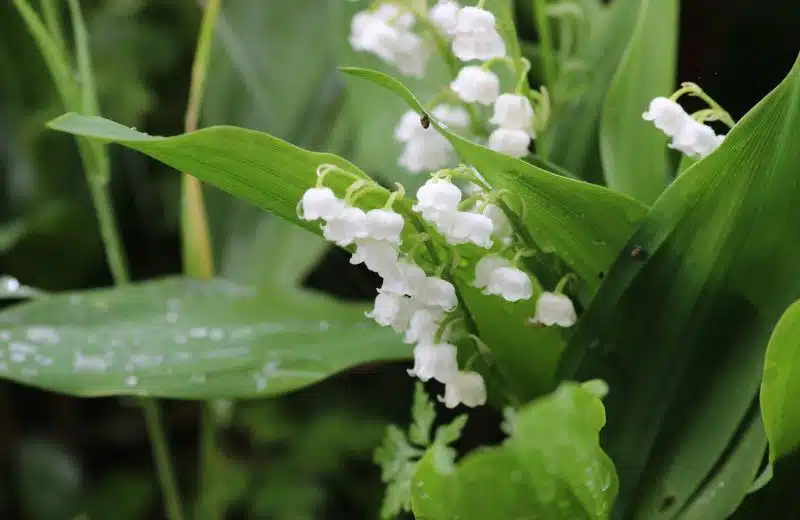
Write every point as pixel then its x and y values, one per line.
pixel 425 121
pixel 638 252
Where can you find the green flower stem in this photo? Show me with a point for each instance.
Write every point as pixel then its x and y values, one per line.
pixel 542 22
pixel 80 96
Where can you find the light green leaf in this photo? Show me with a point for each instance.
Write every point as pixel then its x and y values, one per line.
pixel 186 339
pixel 423 413
pixel 780 385
pixel 680 328
pixel 551 467
pixel 633 152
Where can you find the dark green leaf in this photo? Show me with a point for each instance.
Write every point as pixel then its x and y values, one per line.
pixel 634 153
pixel 781 385
pixel 187 339
pixel 681 329
pixel 551 467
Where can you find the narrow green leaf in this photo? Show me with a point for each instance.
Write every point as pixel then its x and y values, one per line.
pixel 680 328
pixel 551 467
pixel 186 339
pixel 780 385
pixel 634 154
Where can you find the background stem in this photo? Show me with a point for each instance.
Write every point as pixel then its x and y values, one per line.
pixel 542 22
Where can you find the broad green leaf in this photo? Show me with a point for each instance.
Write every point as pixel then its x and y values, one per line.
pixel 259 168
pixel 571 140
pixel 681 327
pixel 780 385
pixel 634 153
pixel 721 495
pixel 186 339
pixel 586 225
pixel 551 466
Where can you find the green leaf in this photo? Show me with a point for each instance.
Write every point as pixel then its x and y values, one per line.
pixel 551 467
pixel 423 413
pixel 584 224
pixel 397 460
pixel 571 140
pixel 780 385
pixel 634 154
pixel 680 329
pixel 186 339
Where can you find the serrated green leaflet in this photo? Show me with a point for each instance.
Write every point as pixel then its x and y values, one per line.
pixel 186 339
pixel 552 466
pixel 781 385
pixel 633 152
pixel 683 325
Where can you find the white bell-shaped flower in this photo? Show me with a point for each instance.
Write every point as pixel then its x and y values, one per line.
pixel 320 203
pixel 409 127
pixel 385 224
pixel 429 152
pixel 438 362
pixel 411 54
pixel 392 310
pixel 462 227
pixel 467 388
pixel 503 231
pixel 405 278
pixel 444 16
pixel 510 283
pixel 437 197
pixel 510 142
pixel 705 141
pixel 437 293
pixel 476 85
pixel 396 15
pixel 423 326
pixel 452 116
pixel 486 266
pixel 476 36
pixel 513 112
pixel 667 115
pixel 554 309
pixel 379 256
pixel 347 226
pixel 370 33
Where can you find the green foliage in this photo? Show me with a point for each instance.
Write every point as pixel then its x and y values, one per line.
pixel 682 382
pixel 551 466
pixel 780 383
pixel 399 454
pixel 634 154
pixel 187 339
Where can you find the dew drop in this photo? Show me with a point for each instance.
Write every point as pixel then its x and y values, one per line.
pixel 198 333
pixel 172 317
pixel 198 377
pixel 9 284
pixel 82 363
pixel 216 334
pixel 46 335
pixel 5 335
pixel 131 381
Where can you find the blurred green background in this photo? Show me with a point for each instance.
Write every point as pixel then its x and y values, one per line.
pixel 306 455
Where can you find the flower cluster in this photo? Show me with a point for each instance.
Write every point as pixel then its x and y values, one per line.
pixel 689 136
pixel 422 305
pixel 386 30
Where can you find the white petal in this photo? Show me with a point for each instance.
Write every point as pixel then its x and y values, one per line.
pixel 485 267
pixel 384 224
pixel 467 388
pixel 476 85
pixel 554 309
pixel 513 112
pixel 510 283
pixel 320 203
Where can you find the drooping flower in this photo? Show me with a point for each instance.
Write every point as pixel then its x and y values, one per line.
pixel 411 54
pixel 461 227
pixel 510 283
pixel 554 309
pixel 476 36
pixel 476 85
pixel 503 231
pixel 405 278
pixel 425 148
pixel 452 116
pixel 510 142
pixel 437 197
pixel 667 115
pixel 384 224
pixel 467 388
pixel 345 227
pixel 444 15
pixel 437 293
pixel 696 139
pixel 423 326
pixel 379 256
pixel 485 266
pixel 320 203
pixel 513 112
pixel 392 310
pixel 438 362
